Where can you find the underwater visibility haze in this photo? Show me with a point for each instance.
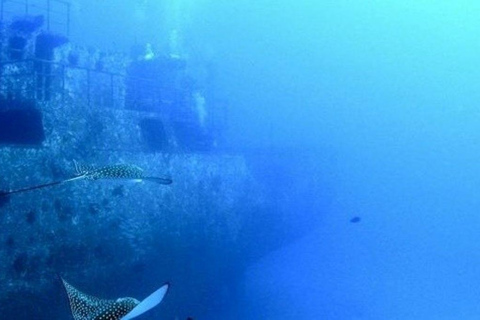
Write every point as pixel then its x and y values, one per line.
pixel 312 160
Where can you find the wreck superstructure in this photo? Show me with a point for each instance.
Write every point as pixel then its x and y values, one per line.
pixel 61 102
pixel 41 67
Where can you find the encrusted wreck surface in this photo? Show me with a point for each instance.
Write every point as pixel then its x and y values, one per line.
pixel 97 232
pixel 107 229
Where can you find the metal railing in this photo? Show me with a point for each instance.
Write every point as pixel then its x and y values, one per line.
pixel 62 84
pixel 56 12
pixel 43 80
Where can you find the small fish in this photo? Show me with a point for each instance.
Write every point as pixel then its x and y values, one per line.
pixel 86 307
pixel 116 171
pixel 355 219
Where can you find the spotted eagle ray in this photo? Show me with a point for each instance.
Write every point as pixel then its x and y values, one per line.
pixel 117 171
pixel 86 307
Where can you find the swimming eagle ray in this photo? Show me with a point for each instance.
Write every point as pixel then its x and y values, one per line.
pixel 117 171
pixel 87 307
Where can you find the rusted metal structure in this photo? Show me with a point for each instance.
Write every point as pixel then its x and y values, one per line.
pixel 56 12
pixel 39 64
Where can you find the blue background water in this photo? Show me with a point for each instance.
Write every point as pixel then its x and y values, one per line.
pixel 371 108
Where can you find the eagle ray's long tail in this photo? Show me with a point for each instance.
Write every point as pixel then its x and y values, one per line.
pixel 158 180
pixel 40 186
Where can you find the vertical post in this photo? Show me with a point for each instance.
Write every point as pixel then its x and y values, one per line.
pixel 112 92
pixel 68 19
pixel 48 15
pixel 35 81
pixel 63 84
pixel 44 80
pixel 88 88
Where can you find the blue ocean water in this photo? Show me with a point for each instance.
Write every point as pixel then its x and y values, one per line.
pixel 359 123
pixel 383 95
